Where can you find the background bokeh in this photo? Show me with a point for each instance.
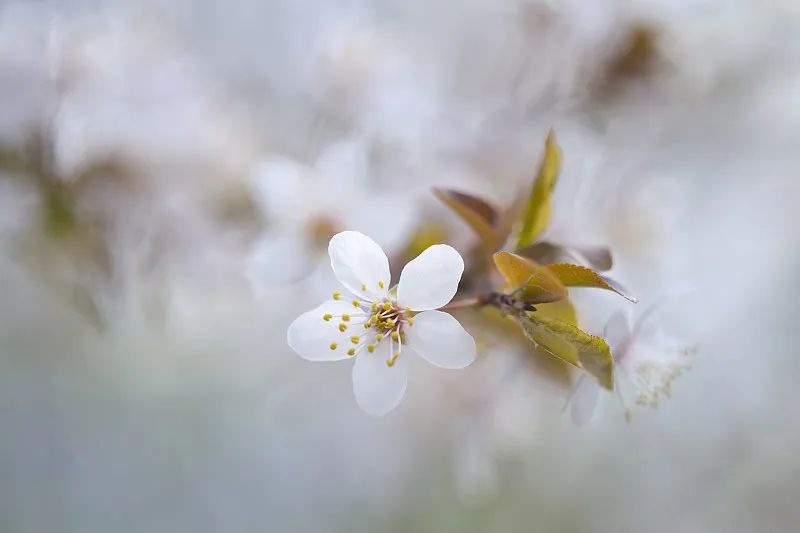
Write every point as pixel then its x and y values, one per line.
pixel 170 171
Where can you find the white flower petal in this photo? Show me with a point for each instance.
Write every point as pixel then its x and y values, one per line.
pixel 431 279
pixel 344 164
pixel 281 256
pixel 311 336
pixel 358 261
pixel 584 400
pixel 279 188
pixel 439 339
pixel 617 333
pixel 377 386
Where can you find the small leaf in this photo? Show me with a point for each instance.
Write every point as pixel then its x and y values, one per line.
pixel 543 338
pixel 572 345
pixel 12 159
pixel 596 257
pixel 545 252
pixel 537 211
pixel 480 216
pixel 562 310
pixel 580 276
pixel 59 213
pixel 529 281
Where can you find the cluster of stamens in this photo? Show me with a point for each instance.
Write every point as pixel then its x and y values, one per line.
pixel 380 321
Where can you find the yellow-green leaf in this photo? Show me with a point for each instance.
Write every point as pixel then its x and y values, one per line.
pixel 529 281
pixel 562 310
pixel 580 276
pixel 477 213
pixel 537 211
pixel 572 345
pixel 545 253
pixel 12 159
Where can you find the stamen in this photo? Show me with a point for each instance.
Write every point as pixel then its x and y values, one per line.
pixel 370 348
pixel 351 352
pixel 379 337
pixel 364 287
pixel 326 317
pixel 346 317
pixel 333 346
pixel 410 321
pixel 390 362
pixel 354 339
pixel 342 327
pixel 380 284
pixel 374 307
pixel 356 303
pixel 386 306
pixel 337 295
pixel 395 335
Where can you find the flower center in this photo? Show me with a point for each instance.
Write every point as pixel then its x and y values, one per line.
pixel 380 321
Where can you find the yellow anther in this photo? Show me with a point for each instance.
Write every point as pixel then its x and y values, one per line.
pixel 394 335
pixel 374 307
pixel 364 287
pixel 380 284
pixel 346 318
pixel 410 321
pixel 367 324
pixel 356 303
pixel 337 295
pixel 333 346
pixel 342 327
pixel 351 352
pixel 370 348
pixel 390 362
pixel 389 323
pixel 327 316
pixel 354 339
pixel 386 306
pixel 379 337
pixel 408 309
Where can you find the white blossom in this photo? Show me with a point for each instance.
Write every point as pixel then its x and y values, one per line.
pixel 302 203
pixel 645 365
pixel 378 326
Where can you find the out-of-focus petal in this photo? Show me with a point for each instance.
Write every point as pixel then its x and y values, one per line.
pixel 281 256
pixel 279 186
pixel 584 400
pixel 431 279
pixel 439 339
pixel 617 332
pixel 359 264
pixel 343 165
pixel 377 386
pixel 311 336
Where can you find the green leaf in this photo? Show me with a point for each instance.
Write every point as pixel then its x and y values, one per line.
pixel 59 211
pixel 12 159
pixel 562 310
pixel 476 212
pixel 537 211
pixel 545 253
pixel 572 345
pixel 580 276
pixel 529 281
